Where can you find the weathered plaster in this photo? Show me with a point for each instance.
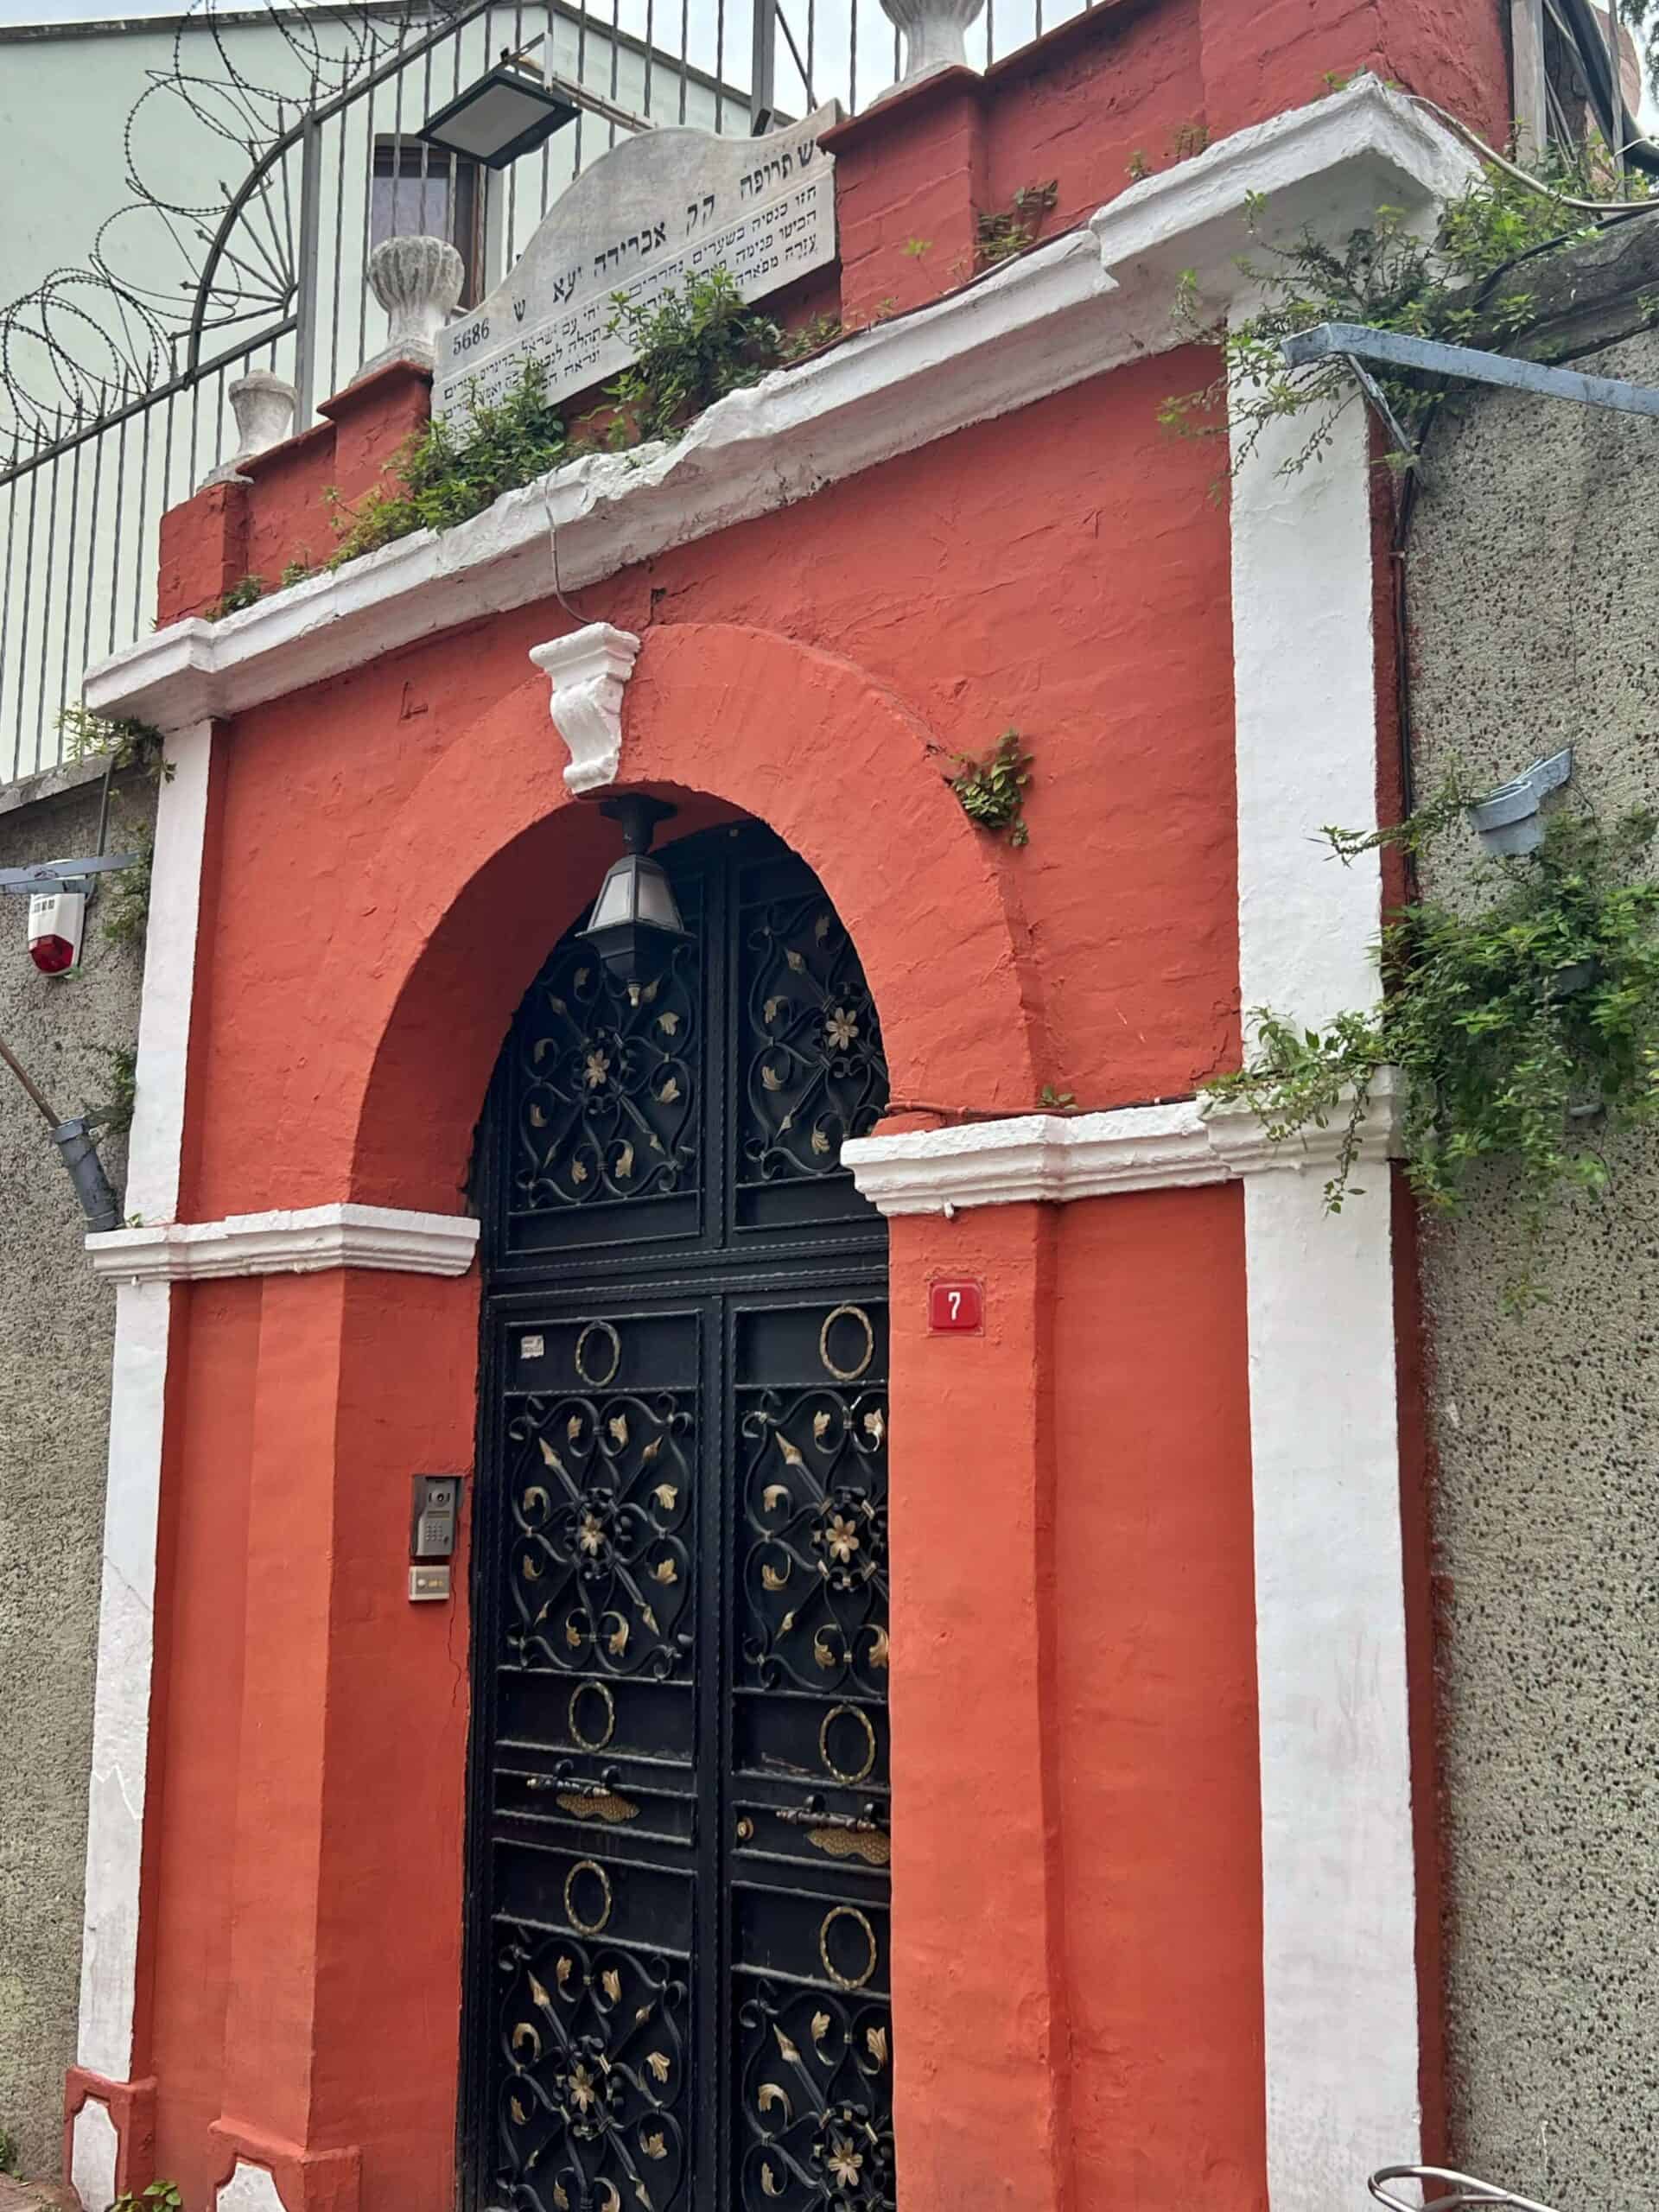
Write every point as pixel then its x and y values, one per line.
pixel 1534 627
pixel 250 2188
pixel 56 1325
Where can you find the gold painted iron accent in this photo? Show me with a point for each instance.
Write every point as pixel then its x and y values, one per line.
pixel 745 1829
pixel 588 1927
pixel 872 1847
pixel 598 1329
pixel 599 1690
pixel 846 1913
pixel 603 1805
pixel 851 1713
pixel 853 1313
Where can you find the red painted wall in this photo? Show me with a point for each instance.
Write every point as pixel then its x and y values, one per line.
pixel 1076 1890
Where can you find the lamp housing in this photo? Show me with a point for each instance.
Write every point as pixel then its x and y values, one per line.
pixel 508 112
pixel 635 924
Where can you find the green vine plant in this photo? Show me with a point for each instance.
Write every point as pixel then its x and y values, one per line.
pixel 694 346
pixel 246 591
pixel 8 2152
pixel 121 1078
pixel 992 788
pixel 1384 274
pixel 159 2197
pixel 124 745
pixel 1007 231
pixel 1517 1027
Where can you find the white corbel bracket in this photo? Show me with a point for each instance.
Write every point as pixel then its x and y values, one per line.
pixel 587 670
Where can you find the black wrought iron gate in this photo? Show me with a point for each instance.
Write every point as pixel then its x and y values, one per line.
pixel 679 1944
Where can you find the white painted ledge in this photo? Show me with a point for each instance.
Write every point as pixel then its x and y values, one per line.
pixel 1071 309
pixel 1033 1158
pixel 288 1244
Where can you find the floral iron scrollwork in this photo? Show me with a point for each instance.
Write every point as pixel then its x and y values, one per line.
pixel 592 2113
pixel 599 1565
pixel 815 1073
pixel 816 2099
pixel 606 1098
pixel 815 1568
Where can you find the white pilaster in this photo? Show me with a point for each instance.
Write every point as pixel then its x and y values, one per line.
pixel 127 1599
pixel 1338 1874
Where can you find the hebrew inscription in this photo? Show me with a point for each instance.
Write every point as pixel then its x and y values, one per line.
pixel 659 209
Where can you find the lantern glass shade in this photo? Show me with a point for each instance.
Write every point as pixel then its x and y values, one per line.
pixel 508 112
pixel 635 924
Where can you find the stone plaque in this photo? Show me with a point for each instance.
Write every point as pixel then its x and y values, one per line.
pixel 657 209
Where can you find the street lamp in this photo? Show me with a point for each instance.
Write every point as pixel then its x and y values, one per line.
pixel 508 112
pixel 635 924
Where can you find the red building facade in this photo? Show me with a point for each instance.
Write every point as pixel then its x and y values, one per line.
pixel 1151 1745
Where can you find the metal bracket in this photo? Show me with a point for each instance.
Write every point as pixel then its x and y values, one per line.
pixel 59 875
pixel 1360 342
pixel 1507 818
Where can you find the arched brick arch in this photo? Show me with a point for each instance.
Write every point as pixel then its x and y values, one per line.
pixel 490 859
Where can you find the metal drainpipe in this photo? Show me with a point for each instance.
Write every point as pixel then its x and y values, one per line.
pixel 76 1149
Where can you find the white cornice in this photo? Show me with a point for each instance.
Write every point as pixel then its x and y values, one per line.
pixel 1059 1157
pixel 1070 309
pixel 288 1244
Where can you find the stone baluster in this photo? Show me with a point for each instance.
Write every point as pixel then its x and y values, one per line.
pixel 418 282
pixel 935 35
pixel 263 406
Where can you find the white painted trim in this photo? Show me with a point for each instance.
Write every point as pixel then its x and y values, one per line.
pixel 94 2147
pixel 126 1604
pixel 588 670
pixel 1071 309
pixel 1056 1157
pixel 157 1143
pixel 303 1243
pixel 1338 1870
pixel 250 2188
pixel 115 1823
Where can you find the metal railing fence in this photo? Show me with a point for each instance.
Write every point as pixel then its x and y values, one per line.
pixel 115 376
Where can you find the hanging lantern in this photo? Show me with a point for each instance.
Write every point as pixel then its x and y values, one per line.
pixel 635 924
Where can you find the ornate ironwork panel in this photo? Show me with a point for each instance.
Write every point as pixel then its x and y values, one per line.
pixel 677 1978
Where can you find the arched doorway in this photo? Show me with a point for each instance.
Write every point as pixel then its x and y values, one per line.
pixel 677 1977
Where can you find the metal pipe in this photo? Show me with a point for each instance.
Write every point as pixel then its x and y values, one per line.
pixel 1360 342
pixel 77 1150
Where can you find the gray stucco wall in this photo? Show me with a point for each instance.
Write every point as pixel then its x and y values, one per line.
pixel 56 1327
pixel 1535 600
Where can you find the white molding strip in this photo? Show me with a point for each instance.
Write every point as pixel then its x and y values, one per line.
pixel 126 1603
pixel 1338 1872
pixel 114 1819
pixel 157 1140
pixel 1046 1157
pixel 303 1243
pixel 1067 311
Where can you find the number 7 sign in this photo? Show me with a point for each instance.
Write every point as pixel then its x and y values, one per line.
pixel 956 1308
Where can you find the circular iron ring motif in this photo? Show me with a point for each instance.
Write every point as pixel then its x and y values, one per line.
pixel 851 1712
pixel 599 1690
pixel 594 1926
pixel 842 1313
pixel 842 1980
pixel 599 1328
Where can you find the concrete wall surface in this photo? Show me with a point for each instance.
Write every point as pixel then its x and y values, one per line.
pixel 1536 611
pixel 56 1328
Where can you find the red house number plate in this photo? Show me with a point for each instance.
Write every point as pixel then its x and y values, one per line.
pixel 954 1306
